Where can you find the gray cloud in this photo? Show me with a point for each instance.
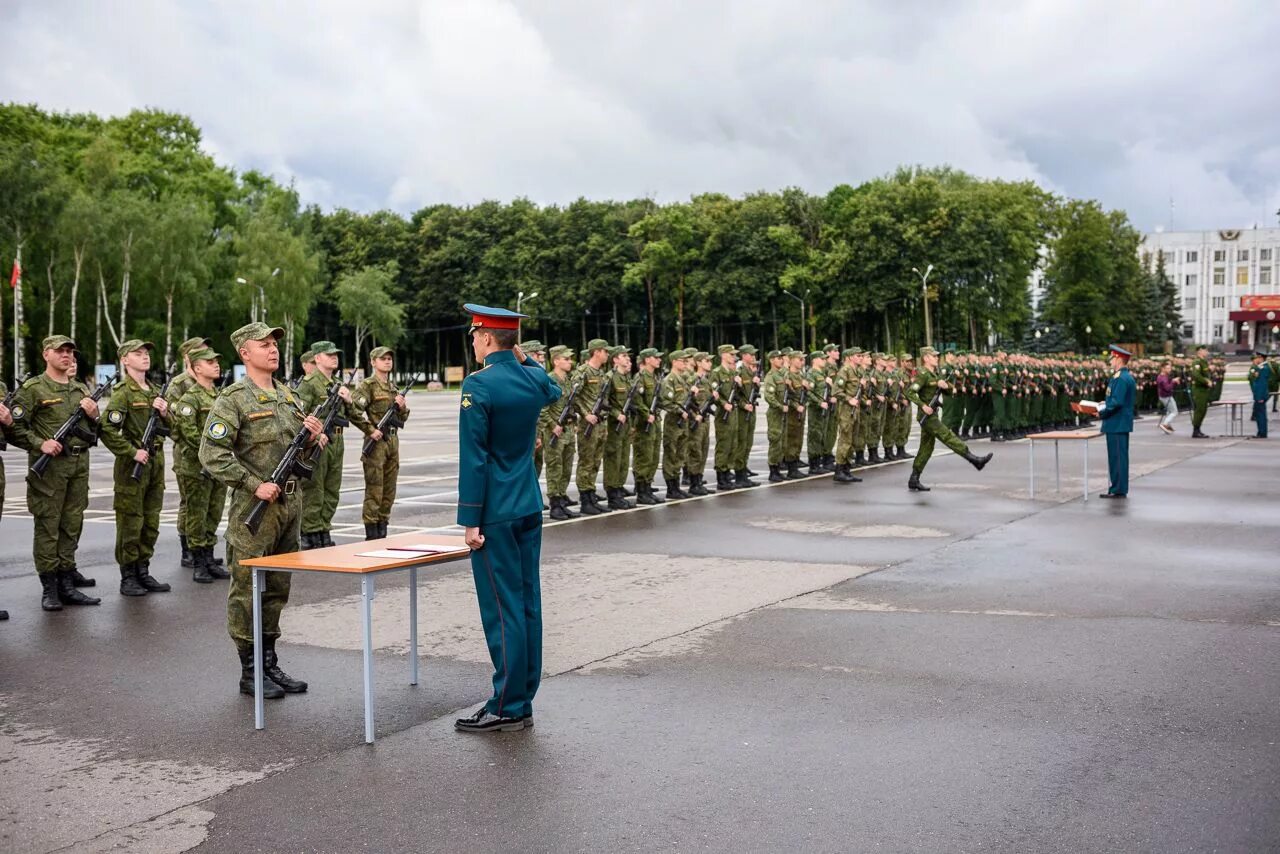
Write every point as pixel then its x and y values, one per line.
pixel 399 104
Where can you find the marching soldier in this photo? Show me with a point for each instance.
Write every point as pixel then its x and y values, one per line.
pixel 921 392
pixel 676 393
pixel 558 440
pixel 746 437
pixel 178 386
pixel 647 441
pixel 57 500
pixel 596 386
pixel 249 429
pixel 137 502
pixel 320 494
pixel 617 430
pixel 372 398
pixel 205 497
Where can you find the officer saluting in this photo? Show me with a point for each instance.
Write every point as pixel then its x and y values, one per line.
pixel 500 506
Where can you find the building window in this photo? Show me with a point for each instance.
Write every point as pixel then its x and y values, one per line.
pixel 1219 302
pixel 1188 331
pixel 1242 255
pixel 1219 276
pixel 1189 303
pixel 1217 332
pixel 1191 280
pixel 1219 256
pixel 1264 254
pixel 1169 256
pixel 1242 275
pixel 1192 257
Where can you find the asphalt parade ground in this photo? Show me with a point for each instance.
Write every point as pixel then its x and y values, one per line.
pixel 798 667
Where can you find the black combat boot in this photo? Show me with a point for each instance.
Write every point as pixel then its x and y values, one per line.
pixel 564 505
pixel 793 470
pixel 685 480
pixel 49 592
pixel 902 453
pixel 914 484
pixel 214 566
pixel 271 670
pixel 873 456
pixel 129 585
pixel 815 465
pixel 831 462
pixel 79 580
pixel 147 581
pixel 617 500
pixel 69 595
pixel 270 689
pixel 657 499
pixel 188 559
pixel 590 504
pixel 326 540
pixel 724 481
pixel 859 460
pixel 742 480
pixel 977 462
pixel 674 492
pixel 570 502
pixel 644 495
pixel 626 493
pixel 308 541
pixel 200 561
pixel 699 487
pixel 558 511
pixel 382 529
pixel 775 474
pixel 370 531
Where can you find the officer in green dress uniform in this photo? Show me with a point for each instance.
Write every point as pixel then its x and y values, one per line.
pixel 248 430
pixel 921 392
pixel 205 498
pixel 500 508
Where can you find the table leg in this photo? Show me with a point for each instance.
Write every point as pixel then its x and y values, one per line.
pixel 1031 455
pixel 259 713
pixel 366 619
pixel 1086 471
pixel 1057 468
pixel 413 626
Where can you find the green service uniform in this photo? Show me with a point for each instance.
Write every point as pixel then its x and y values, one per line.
pixel 775 388
pixel 179 386
pixel 320 494
pixel 646 446
pixel 847 389
pixel 724 382
pixel 1201 392
pixel 371 400
pixel 206 498
pixel 558 454
pixel 137 502
pixel 793 422
pixel 676 430
pixel 746 415
pixel 921 393
pixel 819 417
pixel 699 446
pixel 596 385
pixel 617 443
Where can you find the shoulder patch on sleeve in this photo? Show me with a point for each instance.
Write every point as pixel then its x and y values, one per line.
pixel 115 416
pixel 217 430
pixel 466 400
pixel 18 410
pixel 185 409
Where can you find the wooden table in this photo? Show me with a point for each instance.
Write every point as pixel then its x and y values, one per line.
pixel 1057 436
pixel 346 560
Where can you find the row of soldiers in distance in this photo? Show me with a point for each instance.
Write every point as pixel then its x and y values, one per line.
pixel 849 408
pixel 58 495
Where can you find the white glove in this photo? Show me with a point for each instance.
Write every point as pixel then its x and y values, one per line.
pixel 1102 406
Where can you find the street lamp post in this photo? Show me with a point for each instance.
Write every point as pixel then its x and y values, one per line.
pixel 803 348
pixel 924 292
pixel 520 298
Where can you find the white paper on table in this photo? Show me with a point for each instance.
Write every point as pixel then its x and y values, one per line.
pixel 435 550
pixel 396 554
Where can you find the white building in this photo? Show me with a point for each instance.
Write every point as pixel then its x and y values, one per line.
pixel 1227 282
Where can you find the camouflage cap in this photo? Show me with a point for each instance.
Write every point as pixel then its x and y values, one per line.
pixel 583 354
pixel 379 352
pixel 560 350
pixel 597 344
pixel 831 347
pixel 56 342
pixel 133 344
pixel 185 348
pixel 749 349
pixel 852 351
pixel 818 354
pixel 325 348
pixel 726 348
pixel 307 357
pixel 927 351
pixel 256 331
pixel 650 353
pixel 785 352
pixel 701 356
pixel 619 349
pixel 202 354
pixel 774 354
pixel 690 352
pixel 533 345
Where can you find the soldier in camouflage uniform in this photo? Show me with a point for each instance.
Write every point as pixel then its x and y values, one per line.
pixel 617 430
pixel 57 500
pixel 249 429
pixel 775 416
pixel 321 493
pixel 793 421
pixel 308 362
pixel 743 442
pixel 137 502
pixel 647 440
pixel 676 416
pixel 372 398
pixel 205 497
pixel 558 442
pixel 847 393
pixel 178 386
pixel 832 353
pixel 921 392
pixel 699 424
pixel 596 385
pixel 821 411
pixel 537 351
pixel 726 387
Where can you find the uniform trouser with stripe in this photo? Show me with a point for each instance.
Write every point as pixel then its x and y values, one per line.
pixel 505 570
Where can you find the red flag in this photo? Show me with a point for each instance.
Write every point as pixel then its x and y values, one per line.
pixel 17 274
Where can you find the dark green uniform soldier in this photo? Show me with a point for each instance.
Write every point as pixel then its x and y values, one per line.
pixel 617 429
pixel 559 441
pixel 205 497
pixel 748 397
pixel 321 493
pixel 699 446
pixel 178 386
pixel 646 440
pixel 137 502
pixel 921 392
pixel 57 500
pixel 249 429
pixel 596 386
pixel 821 406
pixel 1201 391
pixel 726 387
pixel 372 398
pixel 848 399
pixel 677 418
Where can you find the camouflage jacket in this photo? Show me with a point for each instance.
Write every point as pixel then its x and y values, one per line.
pixel 125 418
pixel 371 399
pixel 41 406
pixel 188 417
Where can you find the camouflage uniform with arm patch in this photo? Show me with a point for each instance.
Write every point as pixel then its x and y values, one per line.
pixel 206 497
pixel 373 398
pixel 320 494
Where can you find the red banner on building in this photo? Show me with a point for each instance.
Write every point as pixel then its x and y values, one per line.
pixel 1267 302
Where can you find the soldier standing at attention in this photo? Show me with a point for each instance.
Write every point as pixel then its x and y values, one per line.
pixel 676 427
pixel 726 386
pixel 617 427
pixel 1116 413
pixel 832 352
pixel 1201 391
pixel 746 417
pixel 320 494
pixel 500 508
pixel 58 499
pixel 793 423
pixel 537 353
pixel 371 399
pixel 819 409
pixel 921 392
pixel 308 362
pixel 699 444
pixel 646 446
pixel 595 384
pixel 137 502
pixel 846 394
pixel 249 429
pixel 205 497
pixel 775 415
pixel 559 456
pixel 178 386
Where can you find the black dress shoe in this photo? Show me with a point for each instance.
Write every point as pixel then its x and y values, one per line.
pixel 1112 495
pixel 482 721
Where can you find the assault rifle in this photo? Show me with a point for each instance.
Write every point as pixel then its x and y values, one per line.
pixel 933 404
pixel 156 429
pixel 292 464
pixel 72 427
pixel 826 398
pixel 390 419
pixel 606 386
pixel 333 405
pixel 688 402
pixel 754 397
pixel 626 404
pixel 297 381
pixel 733 398
pixel 8 402
pixel 653 404
pixel 566 411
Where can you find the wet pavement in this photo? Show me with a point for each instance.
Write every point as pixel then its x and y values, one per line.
pixel 795 667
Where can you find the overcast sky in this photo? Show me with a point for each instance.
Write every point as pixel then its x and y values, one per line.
pixel 397 103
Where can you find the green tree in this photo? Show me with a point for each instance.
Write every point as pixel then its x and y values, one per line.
pixel 365 303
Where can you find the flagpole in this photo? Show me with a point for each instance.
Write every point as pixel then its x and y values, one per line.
pixel 17 317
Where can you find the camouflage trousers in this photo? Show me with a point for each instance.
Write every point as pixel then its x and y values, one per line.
pixel 699 447
pixel 745 439
pixel 726 438
pixel 182 495
pixel 559 459
pixel 137 505
pixel 57 503
pixel 590 454
pixel 873 425
pixel 675 445
pixel 774 419
pixel 206 498
pixel 617 455
pixel 320 494
pixel 846 418
pixel 792 435
pixel 278 534
pixel 381 472
pixel 646 448
pixel 819 422
pixel 933 430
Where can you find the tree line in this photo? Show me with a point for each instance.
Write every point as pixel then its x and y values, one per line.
pixel 126 227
